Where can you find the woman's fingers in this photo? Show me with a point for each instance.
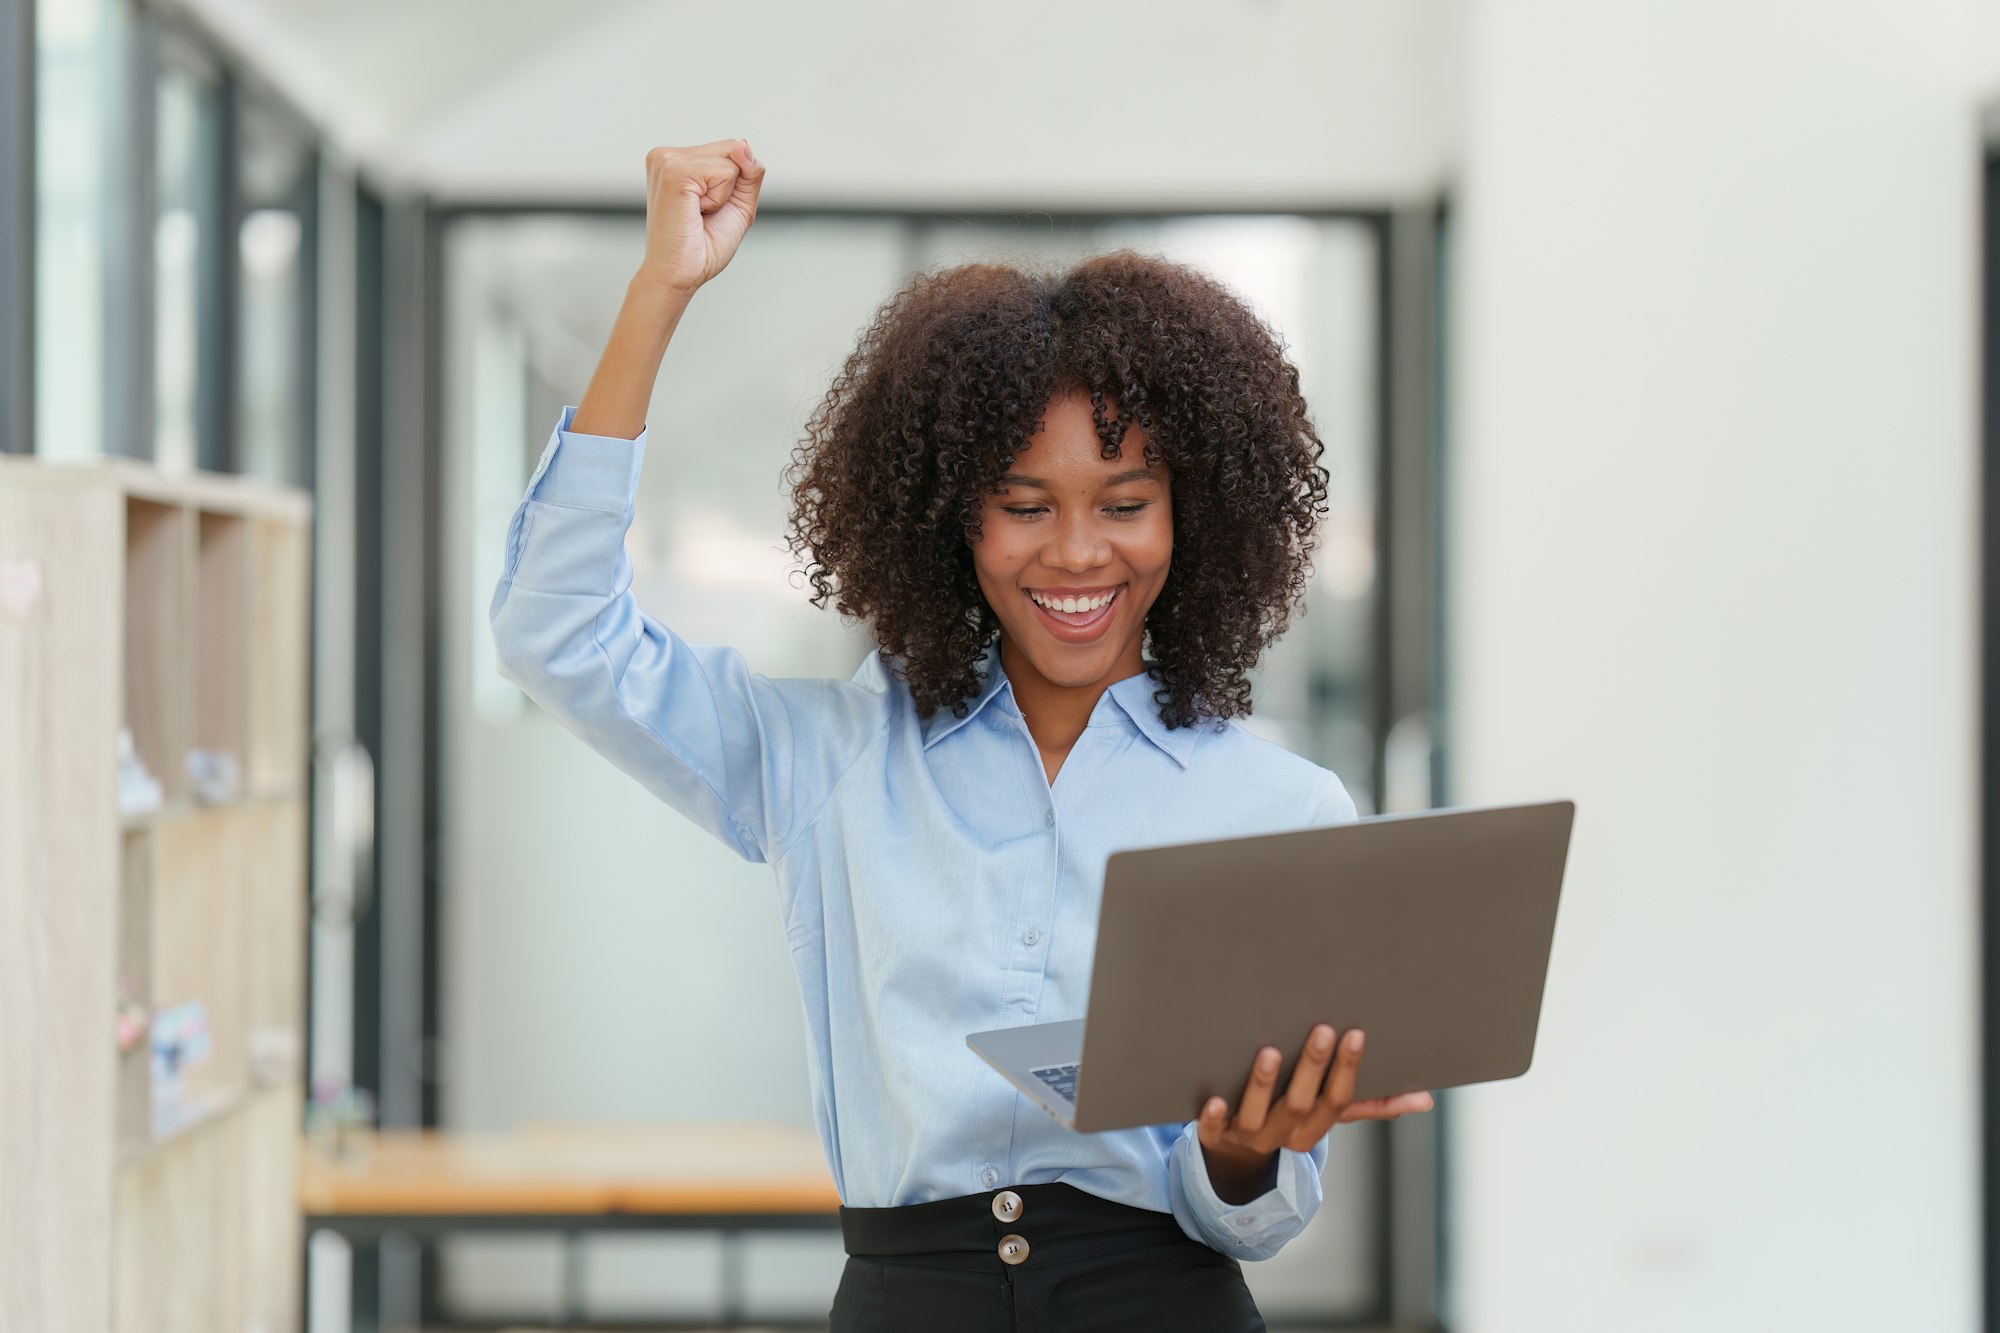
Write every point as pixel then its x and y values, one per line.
pixel 1346 1068
pixel 1388 1108
pixel 1322 1114
pixel 1214 1119
pixel 1310 1071
pixel 1306 1110
pixel 1256 1103
pixel 1310 1112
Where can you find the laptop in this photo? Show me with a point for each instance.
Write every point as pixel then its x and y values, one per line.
pixel 1431 932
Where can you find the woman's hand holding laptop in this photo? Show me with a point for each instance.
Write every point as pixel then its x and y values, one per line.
pixel 1242 1153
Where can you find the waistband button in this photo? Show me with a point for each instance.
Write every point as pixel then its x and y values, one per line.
pixel 1006 1205
pixel 1013 1250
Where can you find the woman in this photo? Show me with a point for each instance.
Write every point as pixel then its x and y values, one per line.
pixel 1022 485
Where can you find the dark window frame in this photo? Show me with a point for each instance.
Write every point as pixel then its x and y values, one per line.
pixel 17 226
pixel 1989 721
pixel 181 40
pixel 1407 385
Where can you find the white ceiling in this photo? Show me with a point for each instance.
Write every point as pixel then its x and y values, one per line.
pixel 919 103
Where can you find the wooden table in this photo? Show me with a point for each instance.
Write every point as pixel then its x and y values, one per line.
pixel 574 1179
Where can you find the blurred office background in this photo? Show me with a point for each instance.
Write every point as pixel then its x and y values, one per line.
pixel 1646 344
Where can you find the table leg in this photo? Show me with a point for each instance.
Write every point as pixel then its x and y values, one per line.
pixel 732 1279
pixel 364 1285
pixel 572 1278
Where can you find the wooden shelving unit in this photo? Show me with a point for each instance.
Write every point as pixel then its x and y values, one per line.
pixel 134 1195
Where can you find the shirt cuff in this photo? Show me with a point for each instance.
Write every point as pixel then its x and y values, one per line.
pixel 1258 1228
pixel 588 471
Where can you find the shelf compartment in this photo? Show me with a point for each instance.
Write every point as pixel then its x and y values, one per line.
pixel 276 984
pixel 200 952
pixel 280 630
pixel 222 652
pixel 159 649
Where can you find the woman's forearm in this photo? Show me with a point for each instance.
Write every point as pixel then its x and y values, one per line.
pixel 621 388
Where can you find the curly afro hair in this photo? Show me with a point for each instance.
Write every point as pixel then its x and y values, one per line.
pixel 948 383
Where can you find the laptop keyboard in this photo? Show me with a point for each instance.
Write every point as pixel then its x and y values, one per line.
pixel 1062 1078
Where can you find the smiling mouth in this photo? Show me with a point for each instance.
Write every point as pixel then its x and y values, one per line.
pixel 1050 606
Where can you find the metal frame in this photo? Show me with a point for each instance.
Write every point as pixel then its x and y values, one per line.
pixel 311 231
pixel 1408 634
pixel 130 280
pixel 372 449
pixel 17 226
pixel 1408 1197
pixel 367 1231
pixel 1438 424
pixel 1989 723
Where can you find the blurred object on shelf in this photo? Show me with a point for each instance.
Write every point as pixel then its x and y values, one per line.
pixel 180 1040
pixel 274 1055
pixel 134 1019
pixel 138 790
pixel 338 1116
pixel 217 775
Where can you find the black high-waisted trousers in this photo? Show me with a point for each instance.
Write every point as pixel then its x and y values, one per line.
pixel 1033 1259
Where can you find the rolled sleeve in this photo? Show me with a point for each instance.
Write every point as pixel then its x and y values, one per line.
pixel 1248 1231
pixel 588 471
pixel 599 473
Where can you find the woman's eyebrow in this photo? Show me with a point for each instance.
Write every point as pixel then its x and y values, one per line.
pixel 1136 474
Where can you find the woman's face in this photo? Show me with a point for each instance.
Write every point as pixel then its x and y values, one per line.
pixel 1067 523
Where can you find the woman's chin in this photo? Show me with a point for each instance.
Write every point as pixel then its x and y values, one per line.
pixel 1072 666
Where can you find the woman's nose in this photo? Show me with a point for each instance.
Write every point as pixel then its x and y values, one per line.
pixel 1076 545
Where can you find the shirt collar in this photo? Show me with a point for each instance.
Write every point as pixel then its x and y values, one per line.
pixel 992 680
pixel 1134 695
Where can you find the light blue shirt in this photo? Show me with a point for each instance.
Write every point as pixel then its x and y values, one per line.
pixel 932 881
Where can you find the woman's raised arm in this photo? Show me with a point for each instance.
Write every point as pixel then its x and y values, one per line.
pixel 699 203
pixel 747 757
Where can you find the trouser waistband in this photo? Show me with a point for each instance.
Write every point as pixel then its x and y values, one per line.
pixel 1040 1224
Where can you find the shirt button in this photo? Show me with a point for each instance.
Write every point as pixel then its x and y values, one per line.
pixel 1030 935
pixel 989 1177
pixel 1049 819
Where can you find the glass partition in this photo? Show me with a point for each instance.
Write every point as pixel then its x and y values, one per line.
pixel 80 158
pixel 188 286
pixel 570 976
pixel 274 255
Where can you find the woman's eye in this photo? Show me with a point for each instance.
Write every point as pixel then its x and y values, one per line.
pixel 1030 511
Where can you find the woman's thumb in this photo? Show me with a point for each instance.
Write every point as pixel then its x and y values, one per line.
pixel 751 180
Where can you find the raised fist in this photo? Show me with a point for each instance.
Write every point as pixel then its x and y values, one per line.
pixel 699 202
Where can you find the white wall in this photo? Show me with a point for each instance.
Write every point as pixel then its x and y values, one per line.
pixel 1033 104
pixel 1713 542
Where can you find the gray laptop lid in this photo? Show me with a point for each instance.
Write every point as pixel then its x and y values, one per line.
pixel 1430 931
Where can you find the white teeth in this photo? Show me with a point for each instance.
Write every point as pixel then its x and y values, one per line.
pixel 1073 605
